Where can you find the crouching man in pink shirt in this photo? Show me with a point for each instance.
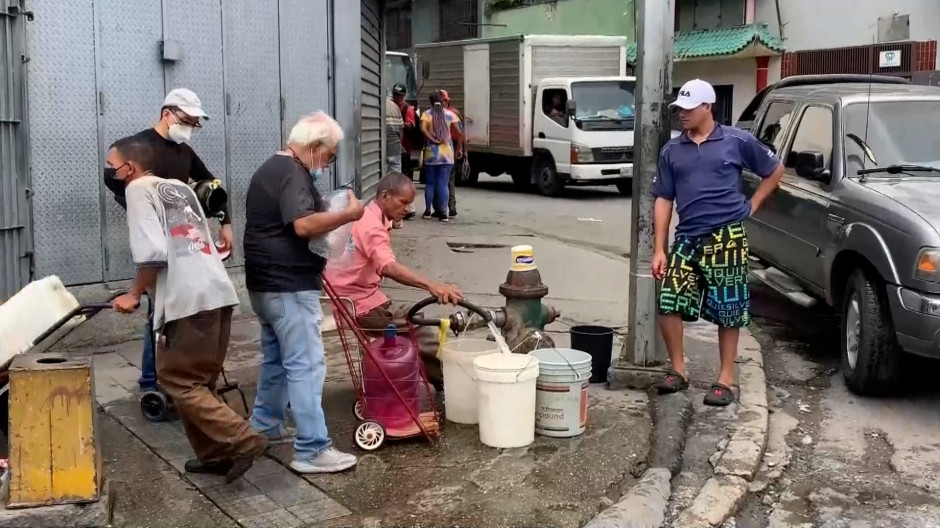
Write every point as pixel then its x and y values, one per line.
pixel 375 260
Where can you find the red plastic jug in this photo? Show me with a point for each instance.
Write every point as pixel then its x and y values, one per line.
pixel 397 357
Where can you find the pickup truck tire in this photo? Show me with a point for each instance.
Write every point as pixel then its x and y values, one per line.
pixel 871 356
pixel 546 177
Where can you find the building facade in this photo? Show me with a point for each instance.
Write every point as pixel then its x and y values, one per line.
pixel 83 73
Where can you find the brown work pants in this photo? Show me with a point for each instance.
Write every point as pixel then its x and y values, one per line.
pixel 189 361
pixel 376 320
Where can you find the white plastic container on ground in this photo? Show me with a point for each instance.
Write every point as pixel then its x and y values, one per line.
pixel 460 382
pixel 506 386
pixel 561 399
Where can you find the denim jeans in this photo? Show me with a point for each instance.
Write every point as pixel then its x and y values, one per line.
pixel 394 163
pixel 435 187
pixel 293 369
pixel 148 363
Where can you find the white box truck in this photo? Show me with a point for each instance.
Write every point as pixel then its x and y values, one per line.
pixel 549 110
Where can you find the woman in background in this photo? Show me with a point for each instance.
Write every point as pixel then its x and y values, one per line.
pixel 440 127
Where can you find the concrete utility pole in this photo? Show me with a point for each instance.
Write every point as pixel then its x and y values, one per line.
pixel 655 23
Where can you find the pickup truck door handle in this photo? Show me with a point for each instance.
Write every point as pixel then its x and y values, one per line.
pixel 836 219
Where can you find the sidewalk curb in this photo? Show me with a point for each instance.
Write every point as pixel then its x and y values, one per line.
pixel 644 506
pixel 723 493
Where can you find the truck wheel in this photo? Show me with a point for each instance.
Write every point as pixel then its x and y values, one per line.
pixel 546 177
pixel 871 356
pixel 625 187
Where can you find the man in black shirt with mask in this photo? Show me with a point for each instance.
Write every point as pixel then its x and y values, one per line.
pixel 173 158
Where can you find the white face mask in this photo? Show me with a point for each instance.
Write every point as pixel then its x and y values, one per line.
pixel 179 132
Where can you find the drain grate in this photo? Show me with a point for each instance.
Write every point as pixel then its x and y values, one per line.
pixel 467 247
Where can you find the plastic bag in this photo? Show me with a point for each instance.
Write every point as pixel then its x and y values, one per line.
pixel 336 246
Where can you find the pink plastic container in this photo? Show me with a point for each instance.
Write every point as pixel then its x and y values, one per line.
pixel 398 357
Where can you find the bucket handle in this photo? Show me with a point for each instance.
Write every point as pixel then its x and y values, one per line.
pixel 555 349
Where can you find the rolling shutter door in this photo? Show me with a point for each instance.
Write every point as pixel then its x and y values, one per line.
pixel 372 111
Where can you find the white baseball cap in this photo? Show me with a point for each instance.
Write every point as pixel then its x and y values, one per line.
pixel 693 94
pixel 187 101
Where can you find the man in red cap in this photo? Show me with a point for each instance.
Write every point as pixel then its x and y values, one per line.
pixel 458 150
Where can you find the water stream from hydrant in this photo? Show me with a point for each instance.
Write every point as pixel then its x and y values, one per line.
pixel 498 336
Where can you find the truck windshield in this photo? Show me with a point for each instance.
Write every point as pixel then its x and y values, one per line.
pixel 898 133
pixel 604 105
pixel 400 69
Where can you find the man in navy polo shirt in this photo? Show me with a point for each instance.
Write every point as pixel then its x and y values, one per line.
pixel 705 272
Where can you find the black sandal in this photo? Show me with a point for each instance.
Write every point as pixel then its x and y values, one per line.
pixel 671 383
pixel 719 396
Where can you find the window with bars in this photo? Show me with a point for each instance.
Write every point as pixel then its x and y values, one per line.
pixel 398 28
pixel 693 15
pixel 459 20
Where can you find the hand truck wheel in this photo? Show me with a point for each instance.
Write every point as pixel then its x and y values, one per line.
pixel 357 410
pixel 155 406
pixel 370 436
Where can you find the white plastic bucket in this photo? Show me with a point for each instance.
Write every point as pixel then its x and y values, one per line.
pixel 561 398
pixel 460 383
pixel 506 386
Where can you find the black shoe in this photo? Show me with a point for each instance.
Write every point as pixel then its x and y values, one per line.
pixel 239 467
pixel 426 215
pixel 453 213
pixel 410 215
pixel 193 465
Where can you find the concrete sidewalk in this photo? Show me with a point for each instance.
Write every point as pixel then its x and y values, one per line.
pixel 456 482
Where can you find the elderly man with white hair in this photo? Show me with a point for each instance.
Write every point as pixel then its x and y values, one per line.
pixel 283 212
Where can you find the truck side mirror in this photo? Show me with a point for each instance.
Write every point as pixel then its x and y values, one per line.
pixel 425 70
pixel 570 107
pixel 811 165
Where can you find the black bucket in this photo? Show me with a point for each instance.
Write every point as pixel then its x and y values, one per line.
pixel 598 341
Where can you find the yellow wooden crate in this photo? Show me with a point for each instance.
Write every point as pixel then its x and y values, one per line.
pixel 54 454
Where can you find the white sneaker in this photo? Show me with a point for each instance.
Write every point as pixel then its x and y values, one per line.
pixel 331 460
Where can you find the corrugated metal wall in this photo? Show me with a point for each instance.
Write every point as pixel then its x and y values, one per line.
pixel 505 107
pixel 564 61
pixel 95 74
pixel 15 229
pixel 446 74
pixel 373 98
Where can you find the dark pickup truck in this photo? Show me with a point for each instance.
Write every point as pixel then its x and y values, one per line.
pixel 856 221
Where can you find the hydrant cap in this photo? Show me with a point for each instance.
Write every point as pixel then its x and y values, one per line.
pixel 523 258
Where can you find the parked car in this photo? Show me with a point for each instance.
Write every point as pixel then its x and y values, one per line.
pixel 856 222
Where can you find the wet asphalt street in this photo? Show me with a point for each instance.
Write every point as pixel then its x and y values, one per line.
pixel 839 460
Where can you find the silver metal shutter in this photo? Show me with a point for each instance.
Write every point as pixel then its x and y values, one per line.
pixel 373 98
pixel 64 141
pixel 253 93
pixel 15 229
pixel 305 66
pixel 126 44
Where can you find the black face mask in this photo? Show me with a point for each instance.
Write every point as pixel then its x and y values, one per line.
pixel 113 184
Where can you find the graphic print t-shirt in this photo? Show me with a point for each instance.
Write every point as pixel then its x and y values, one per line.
pixel 442 154
pixel 168 230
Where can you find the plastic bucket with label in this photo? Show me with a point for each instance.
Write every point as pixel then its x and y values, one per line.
pixel 561 398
